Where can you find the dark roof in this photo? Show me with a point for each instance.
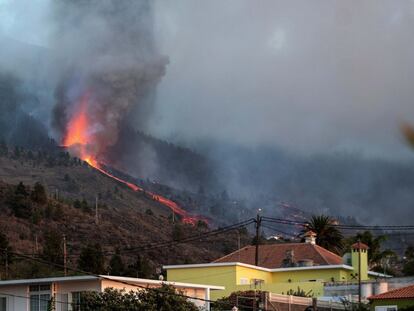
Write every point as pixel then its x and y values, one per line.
pixel 272 255
pixel 399 293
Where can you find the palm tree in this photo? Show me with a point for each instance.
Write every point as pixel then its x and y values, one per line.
pixel 327 235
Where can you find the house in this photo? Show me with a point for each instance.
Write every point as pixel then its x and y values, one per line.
pixel 281 268
pixel 393 300
pixel 35 294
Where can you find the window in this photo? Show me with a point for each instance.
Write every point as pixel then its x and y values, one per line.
pixel 3 304
pixel 76 301
pixel 39 297
pixel 62 303
pixel 386 308
pixel 244 281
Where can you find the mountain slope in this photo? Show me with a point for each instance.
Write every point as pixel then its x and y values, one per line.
pixel 126 218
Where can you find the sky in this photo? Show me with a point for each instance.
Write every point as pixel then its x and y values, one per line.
pixel 307 76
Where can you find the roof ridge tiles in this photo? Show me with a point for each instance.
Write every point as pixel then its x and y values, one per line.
pixel 401 293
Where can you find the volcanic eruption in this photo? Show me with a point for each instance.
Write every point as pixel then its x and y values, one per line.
pixel 111 71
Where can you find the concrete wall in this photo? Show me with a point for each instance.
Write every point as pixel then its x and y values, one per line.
pixel 16 303
pixel 63 288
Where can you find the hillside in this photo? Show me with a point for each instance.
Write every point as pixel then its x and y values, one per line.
pixel 126 218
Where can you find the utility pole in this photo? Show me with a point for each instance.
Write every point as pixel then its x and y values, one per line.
pixel 65 256
pixel 359 273
pixel 36 245
pixel 258 223
pixel 96 210
pixel 7 262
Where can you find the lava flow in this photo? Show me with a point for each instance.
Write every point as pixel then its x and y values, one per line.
pixel 80 139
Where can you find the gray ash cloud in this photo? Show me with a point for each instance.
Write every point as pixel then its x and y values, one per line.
pixel 105 49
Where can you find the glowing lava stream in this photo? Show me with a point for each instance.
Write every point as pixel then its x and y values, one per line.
pixel 164 201
pixel 79 138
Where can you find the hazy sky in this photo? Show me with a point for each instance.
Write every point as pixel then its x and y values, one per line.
pixel 304 75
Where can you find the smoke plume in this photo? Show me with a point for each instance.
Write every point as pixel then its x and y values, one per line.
pixel 110 66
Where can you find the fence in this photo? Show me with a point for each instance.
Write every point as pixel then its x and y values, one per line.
pixel 279 302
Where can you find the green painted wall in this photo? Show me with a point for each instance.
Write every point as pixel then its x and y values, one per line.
pixel 307 276
pixel 364 262
pixel 277 282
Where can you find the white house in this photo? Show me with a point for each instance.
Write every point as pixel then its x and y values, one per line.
pixel 34 294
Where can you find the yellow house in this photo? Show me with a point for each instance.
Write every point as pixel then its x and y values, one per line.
pixel 281 268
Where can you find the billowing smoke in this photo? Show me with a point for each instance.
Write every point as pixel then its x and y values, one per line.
pixel 109 66
pixel 275 103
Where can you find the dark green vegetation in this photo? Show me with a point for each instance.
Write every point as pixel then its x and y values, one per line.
pixel 165 298
pixel 327 235
pixel 408 268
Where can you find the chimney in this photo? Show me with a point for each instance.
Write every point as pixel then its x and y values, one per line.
pixel 310 237
pixel 289 260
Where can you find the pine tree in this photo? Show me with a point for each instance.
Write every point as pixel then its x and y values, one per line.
pixel 5 250
pixel 38 194
pixel 116 265
pixel 18 201
pixel 92 259
pixel 53 247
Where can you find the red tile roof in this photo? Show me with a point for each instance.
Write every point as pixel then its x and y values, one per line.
pixel 359 245
pixel 272 256
pixel 399 293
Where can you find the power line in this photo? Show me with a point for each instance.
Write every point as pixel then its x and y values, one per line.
pixel 37 299
pixel 110 279
pixel 280 231
pixel 188 239
pixel 174 242
pixel 344 227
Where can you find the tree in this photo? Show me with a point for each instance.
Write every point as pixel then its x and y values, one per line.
pixel 327 235
pixel 92 259
pixel 201 224
pixel 177 232
pixel 85 207
pixel 408 268
pixel 53 247
pixel 165 298
pixel 18 201
pixel 140 268
pixel 5 250
pixel 375 254
pixel 116 265
pixel 77 204
pixel 38 194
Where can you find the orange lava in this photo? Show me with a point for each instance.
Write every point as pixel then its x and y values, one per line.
pixel 77 133
pixel 79 139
